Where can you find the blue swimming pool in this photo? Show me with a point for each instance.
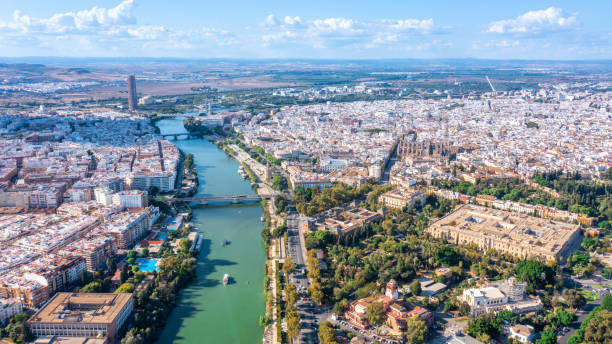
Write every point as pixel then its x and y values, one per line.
pixel 147 264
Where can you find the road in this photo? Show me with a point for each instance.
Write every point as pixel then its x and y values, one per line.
pixel 297 252
pixel 593 284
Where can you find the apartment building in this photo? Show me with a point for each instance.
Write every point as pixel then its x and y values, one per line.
pixel 103 196
pixel 58 272
pixel 45 197
pixel 163 181
pixel 127 229
pixel 131 198
pixel 9 308
pixel 29 292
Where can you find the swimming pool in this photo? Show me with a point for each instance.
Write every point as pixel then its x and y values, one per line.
pixel 147 264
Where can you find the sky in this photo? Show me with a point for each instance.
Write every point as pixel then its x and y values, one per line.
pixel 313 29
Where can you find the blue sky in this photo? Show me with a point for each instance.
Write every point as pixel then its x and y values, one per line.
pixel 495 29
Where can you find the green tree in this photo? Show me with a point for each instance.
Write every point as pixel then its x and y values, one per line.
pixel 375 313
pixel 125 288
pixel 447 256
pixel 574 298
pixel 535 273
pixel 291 295
pixel 133 337
pixel 18 329
pixel 123 276
pixel 185 245
pixel 599 329
pixel 415 288
pixel 416 331
pixel 139 276
pixel 464 309
pixel 279 182
pixel 327 333
pixel 288 266
pixel 484 324
pixel 293 325
pixel 316 292
pixel 111 265
pixel 92 287
pixel 547 337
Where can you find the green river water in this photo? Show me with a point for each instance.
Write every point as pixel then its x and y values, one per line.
pixel 208 311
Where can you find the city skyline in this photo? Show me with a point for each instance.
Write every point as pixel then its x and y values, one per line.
pixel 554 30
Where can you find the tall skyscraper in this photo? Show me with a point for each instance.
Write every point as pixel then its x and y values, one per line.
pixel 132 101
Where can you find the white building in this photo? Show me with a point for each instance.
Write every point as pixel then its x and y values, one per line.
pixel 504 295
pixel 522 333
pixel 163 181
pixel 375 171
pixel 131 198
pixel 45 197
pixel 103 196
pixel 78 195
pixel 9 308
pixel 483 298
pixel 330 165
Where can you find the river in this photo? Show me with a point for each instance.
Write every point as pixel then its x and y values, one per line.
pixel 208 311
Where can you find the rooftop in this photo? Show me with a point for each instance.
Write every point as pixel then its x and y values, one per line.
pixel 101 308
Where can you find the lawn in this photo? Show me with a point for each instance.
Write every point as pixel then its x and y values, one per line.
pixel 589 295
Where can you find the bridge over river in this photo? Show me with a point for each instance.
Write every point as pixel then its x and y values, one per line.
pixel 177 136
pixel 229 198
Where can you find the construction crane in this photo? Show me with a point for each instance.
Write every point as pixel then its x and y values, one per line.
pixel 490 84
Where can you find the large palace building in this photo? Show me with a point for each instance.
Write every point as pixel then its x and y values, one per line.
pixel 88 315
pixel 520 235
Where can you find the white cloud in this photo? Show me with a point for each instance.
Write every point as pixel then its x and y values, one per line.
pixel 101 31
pixel 535 22
pixel 75 22
pixel 424 26
pixel 340 31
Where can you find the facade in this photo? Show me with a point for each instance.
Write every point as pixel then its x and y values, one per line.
pixel 398 199
pixel 57 273
pixel 520 235
pixel 416 152
pixel 131 198
pixel 328 164
pixel 9 308
pixel 78 195
pixel 163 181
pixel 28 292
pixel 45 197
pixel 83 315
pixel 95 250
pixel 132 95
pixel 103 196
pixel 16 199
pixel 126 231
pixel 505 295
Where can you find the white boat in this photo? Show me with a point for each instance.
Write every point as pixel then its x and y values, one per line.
pixel 262 218
pixel 226 278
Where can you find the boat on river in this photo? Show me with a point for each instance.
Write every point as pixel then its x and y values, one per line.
pixel 226 279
